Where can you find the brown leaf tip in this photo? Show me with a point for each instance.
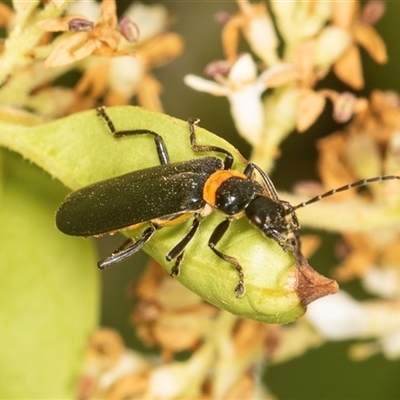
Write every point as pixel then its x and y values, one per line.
pixel 311 285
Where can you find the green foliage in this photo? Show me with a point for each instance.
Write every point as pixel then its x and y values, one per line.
pixel 49 296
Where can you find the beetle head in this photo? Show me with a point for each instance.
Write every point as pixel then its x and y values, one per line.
pixel 276 220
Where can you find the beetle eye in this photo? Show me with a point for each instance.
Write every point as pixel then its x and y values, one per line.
pixel 257 221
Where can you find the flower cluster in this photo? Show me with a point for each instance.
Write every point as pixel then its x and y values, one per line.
pixel 113 57
pixel 224 350
pixel 317 37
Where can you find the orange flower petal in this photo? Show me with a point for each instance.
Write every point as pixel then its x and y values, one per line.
pixel 58 24
pixel 332 170
pixel 149 93
pixel 230 37
pixel 94 81
pixel 349 69
pixel 6 14
pixel 161 49
pixel 344 13
pixel 310 106
pixel 367 37
pixel 66 51
pixel 281 74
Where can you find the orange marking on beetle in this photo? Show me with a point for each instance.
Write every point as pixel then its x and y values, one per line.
pixel 215 181
pixel 175 220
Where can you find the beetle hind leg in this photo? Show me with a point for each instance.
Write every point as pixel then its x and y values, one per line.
pixel 128 248
pixel 176 269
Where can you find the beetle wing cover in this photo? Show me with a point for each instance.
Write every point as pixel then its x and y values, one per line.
pixel 136 197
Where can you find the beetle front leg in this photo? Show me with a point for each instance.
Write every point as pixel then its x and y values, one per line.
pixel 128 248
pixel 216 236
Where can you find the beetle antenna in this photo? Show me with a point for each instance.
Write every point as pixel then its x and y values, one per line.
pixel 362 182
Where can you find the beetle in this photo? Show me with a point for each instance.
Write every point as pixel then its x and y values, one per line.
pixel 170 193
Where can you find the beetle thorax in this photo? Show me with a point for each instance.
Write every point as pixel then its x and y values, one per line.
pixel 230 192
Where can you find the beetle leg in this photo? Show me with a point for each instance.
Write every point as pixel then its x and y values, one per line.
pixel 178 250
pixel 200 148
pixel 216 236
pixel 176 269
pixel 158 140
pixel 128 248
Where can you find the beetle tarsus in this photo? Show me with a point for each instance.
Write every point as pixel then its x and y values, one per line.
pixel 176 269
pixel 128 248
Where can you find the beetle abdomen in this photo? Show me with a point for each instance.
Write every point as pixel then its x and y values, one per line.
pixel 136 197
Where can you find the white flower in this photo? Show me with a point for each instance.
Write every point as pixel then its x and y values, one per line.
pixel 182 379
pixel 383 282
pixel 89 8
pixel 151 20
pixel 243 88
pixel 126 74
pixel 338 317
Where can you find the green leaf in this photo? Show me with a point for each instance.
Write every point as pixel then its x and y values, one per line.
pixel 49 290
pixel 78 150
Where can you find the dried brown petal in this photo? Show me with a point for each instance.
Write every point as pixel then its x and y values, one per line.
pixel 282 74
pixel 133 386
pixel 148 93
pixel 6 14
pixel 60 24
pixel 310 106
pixel 245 388
pixel 310 244
pixel 362 255
pixel 160 50
pixel 94 81
pixel 174 333
pixel 349 69
pixel 148 285
pixel 230 37
pixel 304 59
pixel 68 51
pixel 344 13
pixel 391 253
pixel 333 171
pixel 248 337
pixel 107 346
pixel 367 37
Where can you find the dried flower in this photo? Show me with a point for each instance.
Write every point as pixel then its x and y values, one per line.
pixel 129 30
pixel 348 68
pixel 102 40
pixel 129 75
pixel 161 318
pixel 257 26
pixel 300 20
pixel 80 25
